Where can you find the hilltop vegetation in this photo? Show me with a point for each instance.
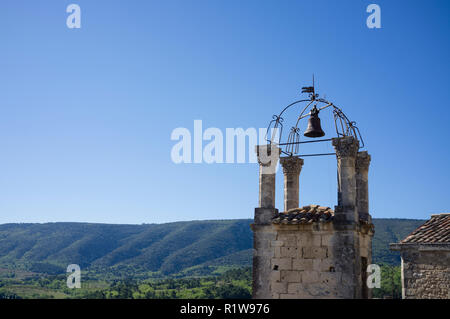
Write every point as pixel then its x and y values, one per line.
pixel 197 259
pixel 390 231
pixel 234 283
pixel 183 248
pixel 163 248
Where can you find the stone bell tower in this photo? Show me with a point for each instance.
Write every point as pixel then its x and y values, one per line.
pixel 312 251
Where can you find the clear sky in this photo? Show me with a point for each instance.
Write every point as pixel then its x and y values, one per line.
pixel 86 114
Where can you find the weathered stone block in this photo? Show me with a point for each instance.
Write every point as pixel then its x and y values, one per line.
pixel 331 279
pixel 326 240
pixel 263 216
pixel 288 240
pixel 315 252
pixel 309 238
pixel 302 264
pixel 289 252
pixel 310 276
pixel 364 241
pixel 264 252
pixel 275 276
pixel 276 243
pixel 277 252
pixel 282 263
pixel 294 288
pixel 321 290
pixel 323 265
pixel 316 240
pixel 290 276
pixel 279 287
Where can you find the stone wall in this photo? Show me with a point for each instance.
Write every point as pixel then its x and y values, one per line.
pixel 263 236
pixel 302 264
pixel 426 271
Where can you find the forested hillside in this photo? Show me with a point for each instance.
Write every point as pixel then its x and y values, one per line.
pixel 183 248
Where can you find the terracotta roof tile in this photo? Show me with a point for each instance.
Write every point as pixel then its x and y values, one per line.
pixel 305 215
pixel 435 230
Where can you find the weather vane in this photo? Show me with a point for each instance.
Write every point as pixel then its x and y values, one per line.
pixel 311 90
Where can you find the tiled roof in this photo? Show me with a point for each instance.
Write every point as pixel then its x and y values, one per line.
pixel 434 231
pixel 304 215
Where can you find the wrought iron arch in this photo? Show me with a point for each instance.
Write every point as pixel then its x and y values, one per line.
pixel 290 146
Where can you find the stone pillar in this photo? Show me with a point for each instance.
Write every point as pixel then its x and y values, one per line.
pixel 263 234
pixel 291 170
pixel 362 185
pixel 346 150
pixel 268 156
pixel 346 221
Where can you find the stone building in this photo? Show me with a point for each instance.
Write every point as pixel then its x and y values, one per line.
pixel 425 255
pixel 312 251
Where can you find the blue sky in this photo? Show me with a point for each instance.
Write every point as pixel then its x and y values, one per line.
pixel 86 114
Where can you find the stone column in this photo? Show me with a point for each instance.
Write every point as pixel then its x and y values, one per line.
pixel 346 150
pixel 268 156
pixel 362 185
pixel 263 233
pixel 346 221
pixel 291 170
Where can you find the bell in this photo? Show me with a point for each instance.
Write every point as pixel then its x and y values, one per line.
pixel 314 129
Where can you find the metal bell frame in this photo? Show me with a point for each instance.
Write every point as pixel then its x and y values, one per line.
pixel 344 127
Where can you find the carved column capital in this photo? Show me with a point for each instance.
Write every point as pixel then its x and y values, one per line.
pixel 291 168
pixel 345 146
pixel 268 156
pixel 291 165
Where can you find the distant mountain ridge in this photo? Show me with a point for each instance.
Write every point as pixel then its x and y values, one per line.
pixel 166 248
